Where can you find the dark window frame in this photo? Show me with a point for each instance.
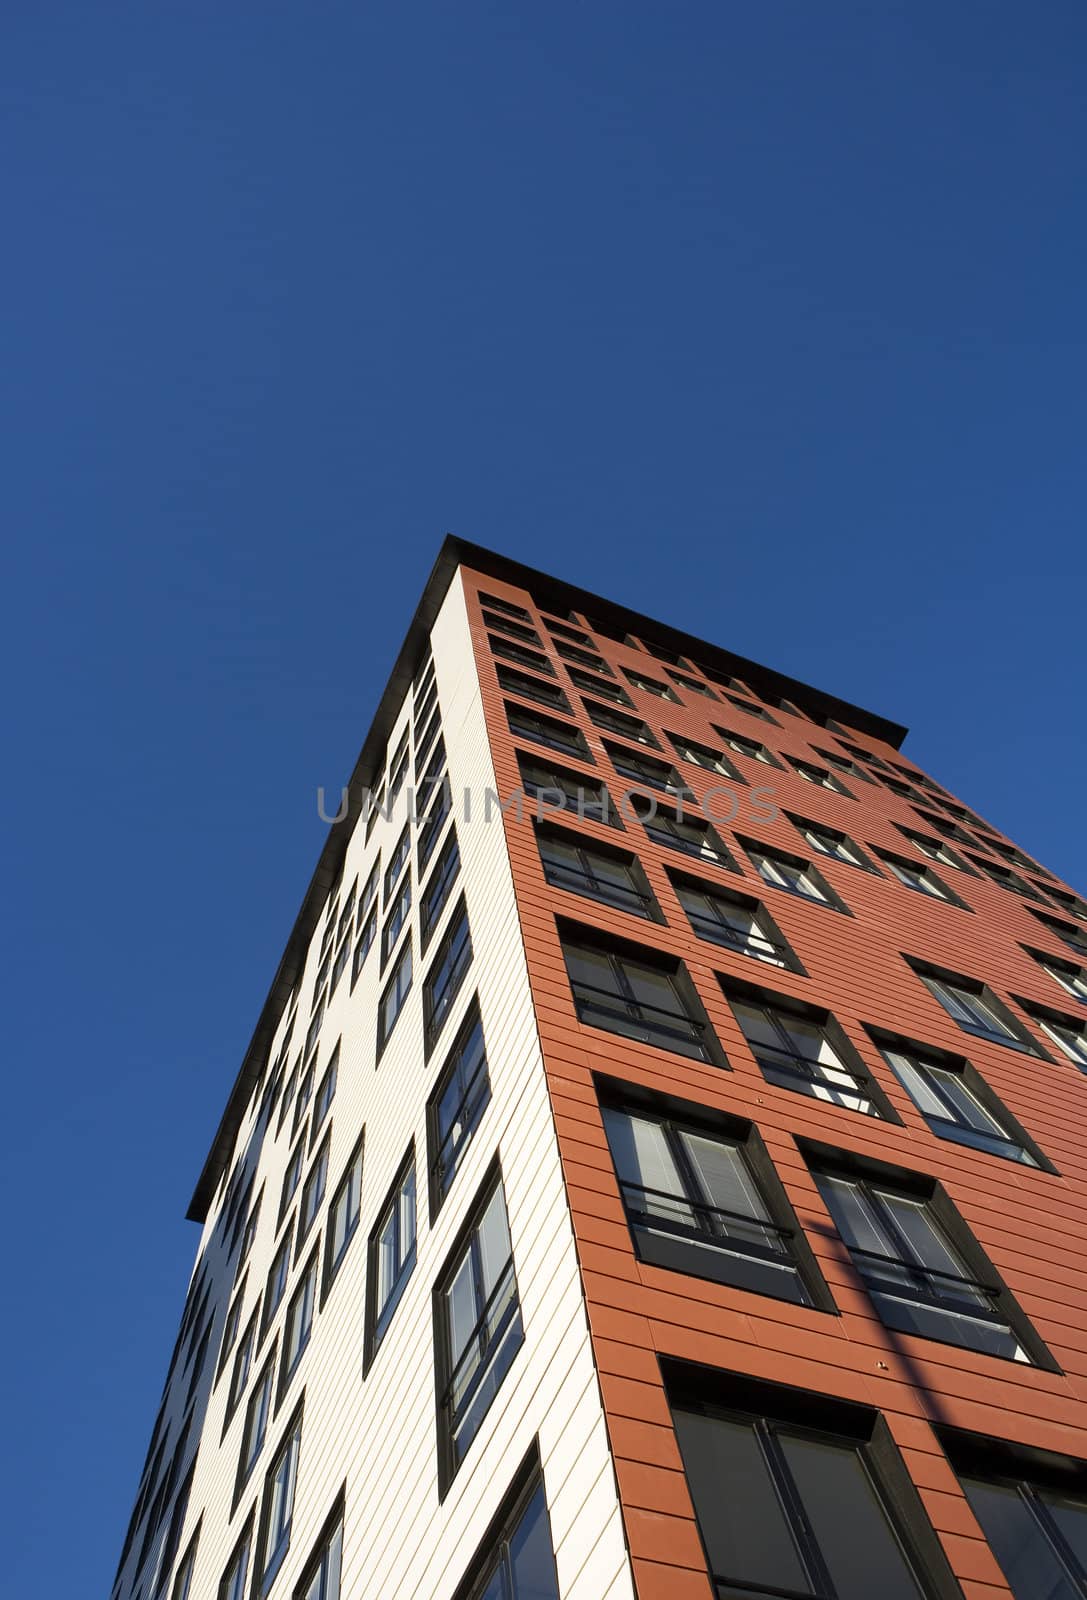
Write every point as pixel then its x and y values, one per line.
pixel 831 901
pixel 476 1096
pixel 587 845
pixel 745 902
pixel 1018 1038
pixel 434 1020
pixel 377 1321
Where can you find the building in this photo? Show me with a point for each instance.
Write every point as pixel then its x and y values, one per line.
pixel 657 1171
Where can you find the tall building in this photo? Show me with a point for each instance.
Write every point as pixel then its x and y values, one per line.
pixel 658 1169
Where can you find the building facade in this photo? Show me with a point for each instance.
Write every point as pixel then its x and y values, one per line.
pixel 658 1167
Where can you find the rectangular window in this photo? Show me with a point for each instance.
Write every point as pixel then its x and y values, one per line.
pixel 1032 1509
pixel 435 821
pixel 232 1585
pixel 507 606
pixel 973 1006
pixel 601 687
pixel 243 1361
pixel 1069 1034
pixel 643 771
pixel 508 650
pixel 455 1108
pixel 397 919
pixel 1073 934
pixel 638 996
pixel 791 873
pixel 802 1048
pixel 829 842
pixel 919 878
pixel 584 658
pixel 278 1274
pixel 693 685
pixel 231 1329
pixel 613 721
pixel 822 777
pixel 514 630
pixel 1072 979
pixel 257 1413
pixel 518 1561
pixel 915 1272
pixel 182 1586
pixel 955 1101
pixel 734 921
pixel 343 1215
pixel 743 746
pixel 391 1255
pixel 277 1513
pixel 395 994
pixel 585 867
pixel 654 686
pixel 562 736
pixel 478 1328
pixel 751 709
pixel 701 755
pixel 690 835
pixel 313 1194
pixel 694 1203
pixel 326 1093
pixel 553 788
pixel 424 740
pixel 397 862
pixel 797 1498
pixel 841 763
pixel 1005 877
pixel 298 1324
pixel 447 973
pixel 321 1575
pixel 575 635
pixel 292 1177
pixel 305 1095
pixel 398 768
pixel 363 944
pixel 439 886
pixel 934 848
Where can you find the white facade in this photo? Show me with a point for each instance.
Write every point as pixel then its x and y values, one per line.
pixel 376 1435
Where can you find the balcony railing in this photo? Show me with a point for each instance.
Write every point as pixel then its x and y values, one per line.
pixel 811 1073
pixel 728 1230
pixel 624 897
pixel 637 1019
pixel 943 1291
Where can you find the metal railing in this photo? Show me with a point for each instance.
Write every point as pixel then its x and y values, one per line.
pixel 657 1024
pixel 711 1224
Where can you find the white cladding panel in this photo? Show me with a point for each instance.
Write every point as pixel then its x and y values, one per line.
pixel 378 1434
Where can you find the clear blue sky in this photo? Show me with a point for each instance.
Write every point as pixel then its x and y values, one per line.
pixel 784 299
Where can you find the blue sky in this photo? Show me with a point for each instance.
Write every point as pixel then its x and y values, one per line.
pixel 766 319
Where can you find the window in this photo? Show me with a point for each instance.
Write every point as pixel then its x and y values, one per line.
pixel 231 1329
pixel 735 921
pixel 257 1413
pixel 694 1203
pixel 1070 933
pixel 599 686
pixel 514 630
pixel 864 755
pixel 462 1095
pixel 632 728
pixel 693 685
pixel 182 1586
pixel 249 1233
pixel 791 873
pixel 820 776
pixel 1032 1509
pixel 841 763
pixel 435 895
pixel 435 767
pixel 431 831
pixel 1006 878
pixel 553 788
pixel 326 1093
pixel 397 920
pixel 561 631
pixel 700 755
pixel 338 966
pixel 278 1509
pixel 298 1324
pixel 1068 902
pixel 548 694
pixel 955 1102
pixel 321 1574
pixel 313 1194
pixel 899 1236
pixel 1069 1034
pixel 662 652
pixel 233 1582
pixel 518 1562
pixel 644 771
pixel 478 1328
pixel 398 769
pixel 921 879
pixel 799 1496
pixel 690 835
pixel 905 791
pixel 343 1215
pixel 801 1048
pixel 243 1361
pixel 973 1006
pixel 305 1095
pixel 561 736
pixel 169 1547
pixel 584 658
pixel 1072 979
pixel 391 1255
pixel 278 1274
pixel 447 972
pixel 392 1000
pixel 829 842
pixel 751 709
pixel 654 686
pixel 507 606
pixel 583 866
pixel 634 994
pixel 293 1175
pixel 948 830
pixel 743 746
pixel 936 849
pixel 509 651
pixel 397 862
